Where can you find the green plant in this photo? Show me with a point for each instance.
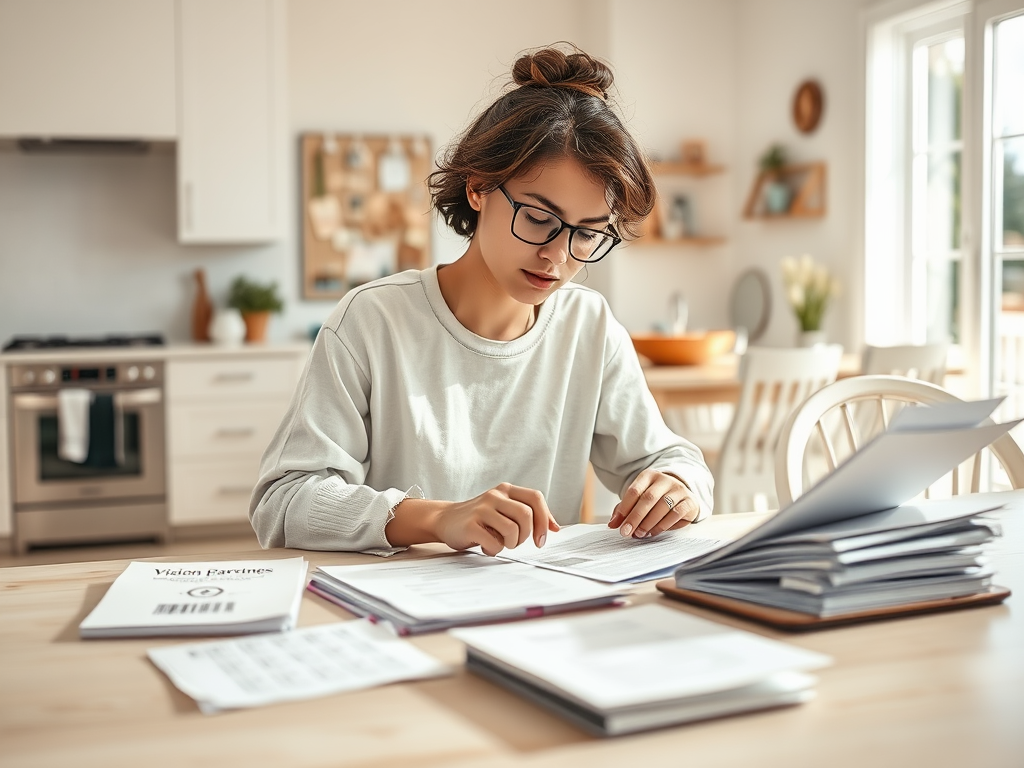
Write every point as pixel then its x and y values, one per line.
pixel 774 159
pixel 250 296
pixel 809 287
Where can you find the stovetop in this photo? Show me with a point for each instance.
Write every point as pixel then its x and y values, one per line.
pixel 23 343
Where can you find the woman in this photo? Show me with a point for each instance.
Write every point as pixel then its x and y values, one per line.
pixel 461 404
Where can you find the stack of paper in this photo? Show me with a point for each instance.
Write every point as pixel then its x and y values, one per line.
pixel 452 590
pixel 846 546
pixel 640 668
pixel 216 598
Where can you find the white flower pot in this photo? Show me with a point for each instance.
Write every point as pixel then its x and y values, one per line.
pixel 811 338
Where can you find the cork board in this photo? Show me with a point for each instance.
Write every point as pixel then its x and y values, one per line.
pixel 365 209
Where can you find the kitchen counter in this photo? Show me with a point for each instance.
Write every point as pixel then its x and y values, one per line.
pixel 172 351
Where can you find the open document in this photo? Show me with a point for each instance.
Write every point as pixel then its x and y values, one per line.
pixel 640 668
pixel 598 552
pixel 301 664
pixel 233 597
pixel 441 592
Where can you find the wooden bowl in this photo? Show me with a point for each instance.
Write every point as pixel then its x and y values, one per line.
pixel 688 349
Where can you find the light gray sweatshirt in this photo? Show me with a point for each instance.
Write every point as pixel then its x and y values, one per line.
pixel 399 399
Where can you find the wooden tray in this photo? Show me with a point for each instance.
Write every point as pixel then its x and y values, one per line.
pixel 795 621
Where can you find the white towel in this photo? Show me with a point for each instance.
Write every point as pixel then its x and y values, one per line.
pixel 73 424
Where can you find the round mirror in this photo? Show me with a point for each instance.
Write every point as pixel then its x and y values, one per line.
pixel 750 305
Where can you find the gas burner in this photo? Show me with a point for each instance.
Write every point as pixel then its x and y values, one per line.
pixel 23 343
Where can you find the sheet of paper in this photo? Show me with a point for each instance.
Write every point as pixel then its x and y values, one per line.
pixel 464 585
pixel 598 552
pixel 301 664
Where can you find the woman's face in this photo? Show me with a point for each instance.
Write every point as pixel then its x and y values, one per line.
pixel 530 273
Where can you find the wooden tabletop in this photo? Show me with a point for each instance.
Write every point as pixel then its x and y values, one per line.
pixel 936 690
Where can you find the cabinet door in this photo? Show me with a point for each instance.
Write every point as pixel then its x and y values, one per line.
pixel 87 68
pixel 231 113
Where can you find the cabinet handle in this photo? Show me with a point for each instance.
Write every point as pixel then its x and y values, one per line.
pixel 236 432
pixel 229 377
pixel 187 203
pixel 234 490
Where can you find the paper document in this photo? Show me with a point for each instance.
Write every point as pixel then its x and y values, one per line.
pixel 598 552
pixel 441 592
pixel 301 664
pixel 199 598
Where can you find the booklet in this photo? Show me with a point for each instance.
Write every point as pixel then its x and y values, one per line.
pixel 640 668
pixel 234 597
pixel 451 590
pixel 302 664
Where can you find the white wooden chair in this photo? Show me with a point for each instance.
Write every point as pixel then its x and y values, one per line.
pixel 926 362
pixel 773 383
pixel 809 426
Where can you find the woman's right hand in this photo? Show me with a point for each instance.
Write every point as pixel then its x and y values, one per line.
pixel 503 517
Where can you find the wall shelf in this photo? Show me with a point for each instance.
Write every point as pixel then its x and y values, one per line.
pixel 674 211
pixel 806 180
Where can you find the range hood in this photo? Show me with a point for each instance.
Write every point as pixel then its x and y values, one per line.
pixel 55 146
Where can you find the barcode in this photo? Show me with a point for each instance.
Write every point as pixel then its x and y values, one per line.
pixel 176 608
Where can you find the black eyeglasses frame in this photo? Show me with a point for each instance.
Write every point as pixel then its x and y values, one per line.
pixel 573 229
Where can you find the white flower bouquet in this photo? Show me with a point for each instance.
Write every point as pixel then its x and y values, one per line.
pixel 809 287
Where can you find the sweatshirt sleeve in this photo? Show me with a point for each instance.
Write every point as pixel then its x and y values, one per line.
pixel 310 493
pixel 631 434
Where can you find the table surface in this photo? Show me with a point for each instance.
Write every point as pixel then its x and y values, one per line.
pixel 944 689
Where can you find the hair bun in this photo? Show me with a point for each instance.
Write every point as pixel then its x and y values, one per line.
pixel 550 67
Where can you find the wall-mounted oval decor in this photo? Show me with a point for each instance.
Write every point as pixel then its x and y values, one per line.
pixel 808 103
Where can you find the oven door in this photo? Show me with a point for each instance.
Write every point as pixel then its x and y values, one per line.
pixel 41 476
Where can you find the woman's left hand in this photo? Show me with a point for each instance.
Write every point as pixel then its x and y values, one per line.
pixel 654 502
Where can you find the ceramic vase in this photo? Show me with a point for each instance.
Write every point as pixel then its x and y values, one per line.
pixel 227 327
pixel 811 338
pixel 202 309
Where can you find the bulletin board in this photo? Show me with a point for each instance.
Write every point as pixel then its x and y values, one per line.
pixel 365 209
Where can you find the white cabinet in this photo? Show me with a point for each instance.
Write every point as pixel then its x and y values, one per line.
pixel 232 108
pixel 222 411
pixel 88 68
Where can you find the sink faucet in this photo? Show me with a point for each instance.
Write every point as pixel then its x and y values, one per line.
pixel 679 311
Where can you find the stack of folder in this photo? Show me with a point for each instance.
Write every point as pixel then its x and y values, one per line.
pixel 848 550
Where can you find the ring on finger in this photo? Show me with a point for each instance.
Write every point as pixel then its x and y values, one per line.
pixel 669 501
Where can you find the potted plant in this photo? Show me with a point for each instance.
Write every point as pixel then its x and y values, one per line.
pixel 809 289
pixel 777 193
pixel 255 301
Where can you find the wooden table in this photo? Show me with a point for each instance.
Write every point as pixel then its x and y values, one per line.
pixel 937 690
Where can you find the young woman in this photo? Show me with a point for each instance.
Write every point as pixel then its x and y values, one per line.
pixel 461 404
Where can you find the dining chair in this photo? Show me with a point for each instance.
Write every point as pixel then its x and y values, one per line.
pixel 809 427
pixel 773 382
pixel 926 362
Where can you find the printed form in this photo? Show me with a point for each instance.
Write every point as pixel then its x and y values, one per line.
pixel 300 664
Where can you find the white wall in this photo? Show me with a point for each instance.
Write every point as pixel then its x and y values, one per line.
pixel 87 244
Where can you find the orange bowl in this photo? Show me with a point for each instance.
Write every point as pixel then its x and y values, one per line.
pixel 688 349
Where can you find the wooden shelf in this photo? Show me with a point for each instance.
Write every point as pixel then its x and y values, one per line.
pixel 807 180
pixel 698 242
pixel 677 168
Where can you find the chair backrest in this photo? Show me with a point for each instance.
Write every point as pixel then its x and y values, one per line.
pixel 828 421
pixel 926 362
pixel 773 383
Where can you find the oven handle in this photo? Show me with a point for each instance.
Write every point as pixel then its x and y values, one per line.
pixel 127 399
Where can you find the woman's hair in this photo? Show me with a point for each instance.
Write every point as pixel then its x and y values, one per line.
pixel 558 107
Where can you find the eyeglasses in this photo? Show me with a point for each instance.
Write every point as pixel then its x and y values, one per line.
pixel 539 227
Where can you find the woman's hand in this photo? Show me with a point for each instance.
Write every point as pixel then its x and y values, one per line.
pixel 503 517
pixel 654 502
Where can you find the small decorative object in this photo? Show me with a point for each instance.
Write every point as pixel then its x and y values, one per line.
pixel 227 327
pixel 202 309
pixel 808 103
pixel 809 288
pixel 692 152
pixel 255 302
pixel 777 193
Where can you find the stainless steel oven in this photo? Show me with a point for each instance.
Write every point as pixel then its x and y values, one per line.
pixel 58 501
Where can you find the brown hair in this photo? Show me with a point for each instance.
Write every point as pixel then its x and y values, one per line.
pixel 557 108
